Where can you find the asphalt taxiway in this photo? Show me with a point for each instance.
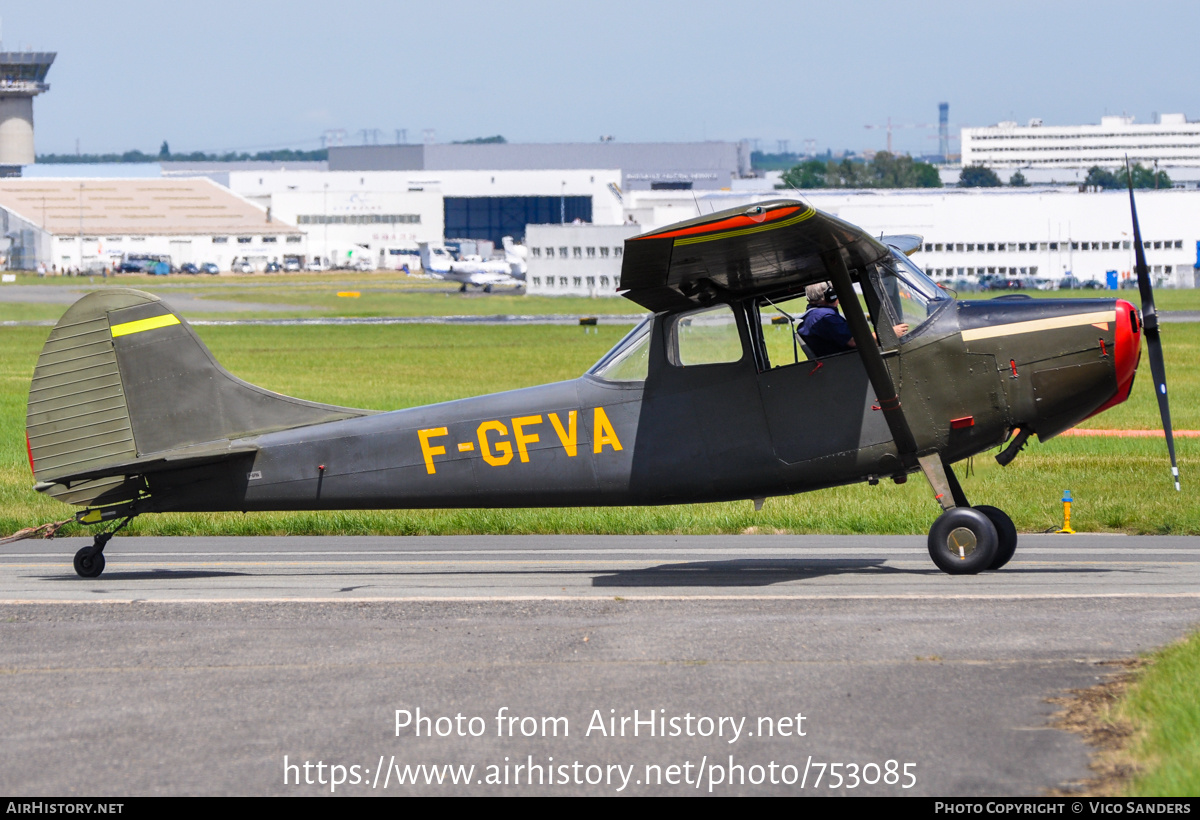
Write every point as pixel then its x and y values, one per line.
pixel 195 665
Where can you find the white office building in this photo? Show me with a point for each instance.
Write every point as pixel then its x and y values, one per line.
pixel 1032 232
pixel 1172 142
pixel 576 260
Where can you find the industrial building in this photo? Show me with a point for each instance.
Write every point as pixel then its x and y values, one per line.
pixel 1037 232
pixel 380 216
pixel 22 77
pixel 1172 142
pixel 92 224
pixel 643 166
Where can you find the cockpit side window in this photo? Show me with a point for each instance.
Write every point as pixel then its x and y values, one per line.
pixel 707 336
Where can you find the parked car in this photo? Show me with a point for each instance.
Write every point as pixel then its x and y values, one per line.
pixel 1070 282
pixel 242 267
pixel 272 267
pixel 291 265
pixel 188 267
pixel 1006 283
pixel 210 267
pixel 316 265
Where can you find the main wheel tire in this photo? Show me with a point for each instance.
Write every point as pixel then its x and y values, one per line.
pixel 1006 547
pixel 962 541
pixel 87 564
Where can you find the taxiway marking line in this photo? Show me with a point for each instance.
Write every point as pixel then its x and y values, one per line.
pixel 1069 554
pixel 1077 431
pixel 625 598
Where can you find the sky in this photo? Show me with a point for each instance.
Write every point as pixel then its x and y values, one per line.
pixel 259 74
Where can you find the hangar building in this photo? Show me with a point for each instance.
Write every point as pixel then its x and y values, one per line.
pixel 644 165
pixel 90 224
pixel 380 216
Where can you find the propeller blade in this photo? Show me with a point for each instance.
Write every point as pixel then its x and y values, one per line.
pixel 1158 369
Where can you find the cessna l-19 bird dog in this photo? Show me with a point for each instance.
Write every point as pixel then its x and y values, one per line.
pixel 129 413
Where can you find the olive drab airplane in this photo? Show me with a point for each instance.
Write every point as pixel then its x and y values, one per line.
pixel 711 398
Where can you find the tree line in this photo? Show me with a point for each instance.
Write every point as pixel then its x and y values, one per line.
pixel 164 155
pixel 883 171
pixel 977 176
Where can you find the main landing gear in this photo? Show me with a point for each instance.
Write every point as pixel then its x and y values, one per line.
pixel 89 561
pixel 965 540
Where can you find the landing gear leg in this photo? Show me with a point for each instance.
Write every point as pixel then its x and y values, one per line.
pixel 963 540
pixel 89 561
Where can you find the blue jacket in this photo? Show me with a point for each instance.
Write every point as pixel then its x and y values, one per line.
pixel 825 331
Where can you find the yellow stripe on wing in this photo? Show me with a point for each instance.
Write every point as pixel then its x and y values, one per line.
pixel 770 226
pixel 166 320
pixel 1034 325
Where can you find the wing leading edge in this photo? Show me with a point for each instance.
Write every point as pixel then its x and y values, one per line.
pixel 768 248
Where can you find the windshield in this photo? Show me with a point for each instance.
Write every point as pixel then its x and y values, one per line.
pixel 629 361
pixel 913 295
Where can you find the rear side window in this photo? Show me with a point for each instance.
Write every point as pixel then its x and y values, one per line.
pixel 708 336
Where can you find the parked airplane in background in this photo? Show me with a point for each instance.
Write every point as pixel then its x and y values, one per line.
pixel 517 256
pixel 473 271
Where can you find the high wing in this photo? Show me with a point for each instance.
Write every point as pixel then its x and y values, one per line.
pixel 769 248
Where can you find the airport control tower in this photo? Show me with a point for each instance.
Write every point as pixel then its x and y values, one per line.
pixel 22 77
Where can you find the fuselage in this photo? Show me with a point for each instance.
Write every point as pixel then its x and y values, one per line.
pixel 697 432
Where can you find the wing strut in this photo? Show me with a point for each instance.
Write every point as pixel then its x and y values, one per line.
pixel 877 372
pixel 1158 369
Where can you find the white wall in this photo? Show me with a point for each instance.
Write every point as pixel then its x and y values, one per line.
pixel 576 260
pixel 101 251
pixel 1033 217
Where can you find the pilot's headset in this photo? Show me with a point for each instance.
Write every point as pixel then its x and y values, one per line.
pixel 824 292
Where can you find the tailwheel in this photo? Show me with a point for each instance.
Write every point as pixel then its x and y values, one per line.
pixel 1006 530
pixel 963 541
pixel 89 561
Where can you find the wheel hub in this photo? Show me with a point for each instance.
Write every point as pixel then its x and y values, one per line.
pixel 961 542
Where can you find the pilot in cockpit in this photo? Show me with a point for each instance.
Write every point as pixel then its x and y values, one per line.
pixel 823 330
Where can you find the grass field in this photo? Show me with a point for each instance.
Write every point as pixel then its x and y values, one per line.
pixel 388 293
pixel 309 295
pixel 1163 704
pixel 1118 484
